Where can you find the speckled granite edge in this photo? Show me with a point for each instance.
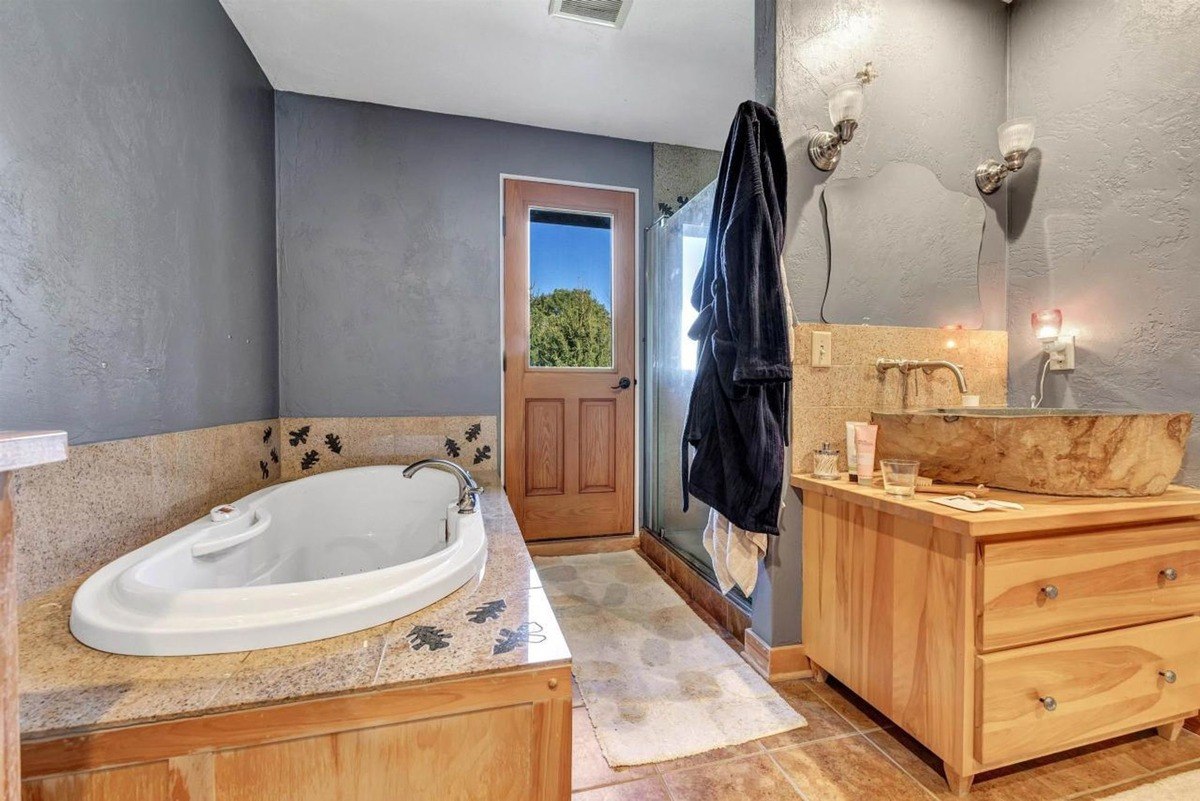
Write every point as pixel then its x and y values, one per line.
pixel 500 621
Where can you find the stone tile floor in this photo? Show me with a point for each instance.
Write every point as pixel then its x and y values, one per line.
pixel 850 752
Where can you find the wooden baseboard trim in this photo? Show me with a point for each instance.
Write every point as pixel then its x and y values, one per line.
pixel 583 545
pixel 781 663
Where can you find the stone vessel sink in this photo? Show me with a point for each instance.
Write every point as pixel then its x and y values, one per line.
pixel 1048 451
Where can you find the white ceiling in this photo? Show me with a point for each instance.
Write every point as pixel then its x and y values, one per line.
pixel 675 73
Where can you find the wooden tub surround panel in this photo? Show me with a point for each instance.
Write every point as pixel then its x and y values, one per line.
pixel 18 449
pixel 998 637
pixel 503 736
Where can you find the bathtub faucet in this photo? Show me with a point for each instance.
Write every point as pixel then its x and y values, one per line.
pixel 468 489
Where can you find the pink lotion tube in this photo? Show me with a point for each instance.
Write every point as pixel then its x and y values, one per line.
pixel 864 444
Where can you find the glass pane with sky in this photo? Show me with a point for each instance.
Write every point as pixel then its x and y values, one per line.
pixel 570 289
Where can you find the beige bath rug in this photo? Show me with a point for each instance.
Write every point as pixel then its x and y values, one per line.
pixel 658 682
pixel 1180 787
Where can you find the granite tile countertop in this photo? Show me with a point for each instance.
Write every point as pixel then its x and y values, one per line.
pixel 68 688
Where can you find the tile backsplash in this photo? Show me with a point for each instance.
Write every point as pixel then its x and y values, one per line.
pixel 109 498
pixel 316 444
pixel 824 399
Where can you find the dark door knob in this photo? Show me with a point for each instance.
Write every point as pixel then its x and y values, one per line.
pixel 624 383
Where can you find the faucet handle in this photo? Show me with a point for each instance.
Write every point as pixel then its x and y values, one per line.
pixel 469 499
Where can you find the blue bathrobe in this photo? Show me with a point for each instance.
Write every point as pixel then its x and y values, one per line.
pixel 737 419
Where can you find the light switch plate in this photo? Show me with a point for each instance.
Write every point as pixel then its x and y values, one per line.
pixel 822 349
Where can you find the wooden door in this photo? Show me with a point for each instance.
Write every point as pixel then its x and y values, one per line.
pixel 569 393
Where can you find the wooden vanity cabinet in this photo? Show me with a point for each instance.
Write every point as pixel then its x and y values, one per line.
pixel 998 637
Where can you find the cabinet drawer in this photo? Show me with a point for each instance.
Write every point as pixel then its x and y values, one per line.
pixel 1100 684
pixel 1099 581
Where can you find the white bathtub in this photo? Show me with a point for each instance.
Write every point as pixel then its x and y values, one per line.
pixel 301 561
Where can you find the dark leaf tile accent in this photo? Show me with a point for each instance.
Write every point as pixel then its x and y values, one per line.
pixel 511 639
pixel 482 454
pixel 431 637
pixel 266 470
pixel 473 432
pixel 452 449
pixel 333 442
pixel 665 209
pixel 309 459
pixel 488 611
pixel 267 432
pixel 274 456
pixel 299 436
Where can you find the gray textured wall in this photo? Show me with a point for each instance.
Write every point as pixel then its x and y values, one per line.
pixel 938 101
pixel 389 250
pixel 1104 219
pixel 939 98
pixel 137 219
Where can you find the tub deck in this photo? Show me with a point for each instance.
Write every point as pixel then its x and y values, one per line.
pixel 73 697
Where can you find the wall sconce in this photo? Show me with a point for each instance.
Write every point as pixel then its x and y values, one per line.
pixel 846 105
pixel 1016 137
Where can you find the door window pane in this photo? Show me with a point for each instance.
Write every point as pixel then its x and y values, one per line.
pixel 570 289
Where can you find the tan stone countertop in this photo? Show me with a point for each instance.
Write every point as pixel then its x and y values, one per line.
pixel 68 688
pixel 1041 512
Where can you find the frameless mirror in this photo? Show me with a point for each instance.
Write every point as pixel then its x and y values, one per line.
pixel 903 250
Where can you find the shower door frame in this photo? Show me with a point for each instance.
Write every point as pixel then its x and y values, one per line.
pixel 650 406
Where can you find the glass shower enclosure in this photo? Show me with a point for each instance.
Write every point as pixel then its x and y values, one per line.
pixel 675 249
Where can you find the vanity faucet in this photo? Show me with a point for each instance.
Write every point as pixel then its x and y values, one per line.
pixel 905 366
pixel 468 489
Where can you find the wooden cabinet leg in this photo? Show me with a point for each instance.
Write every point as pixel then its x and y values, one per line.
pixel 820 675
pixel 959 785
pixel 1171 731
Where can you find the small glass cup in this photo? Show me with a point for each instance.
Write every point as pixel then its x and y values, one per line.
pixel 900 477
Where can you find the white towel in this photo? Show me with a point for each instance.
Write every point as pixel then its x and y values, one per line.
pixel 735 552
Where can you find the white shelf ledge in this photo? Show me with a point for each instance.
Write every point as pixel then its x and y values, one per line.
pixel 30 448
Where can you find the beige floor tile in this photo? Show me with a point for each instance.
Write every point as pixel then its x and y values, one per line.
pixel 753 778
pixel 576 698
pixel 1091 767
pixel 1016 783
pixel 1154 753
pixel 1149 778
pixel 861 715
pixel 651 789
pixel 588 766
pixel 708 757
pixel 846 768
pixel 823 721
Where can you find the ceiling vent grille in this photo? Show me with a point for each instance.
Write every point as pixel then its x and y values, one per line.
pixel 601 12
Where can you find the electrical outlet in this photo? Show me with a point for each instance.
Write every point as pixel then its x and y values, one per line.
pixel 822 349
pixel 1064 359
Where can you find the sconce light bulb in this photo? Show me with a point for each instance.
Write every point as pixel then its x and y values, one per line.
pixel 847 102
pixel 1046 324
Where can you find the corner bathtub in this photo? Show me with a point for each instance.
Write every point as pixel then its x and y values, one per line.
pixel 305 560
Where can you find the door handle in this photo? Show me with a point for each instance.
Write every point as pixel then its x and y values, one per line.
pixel 624 383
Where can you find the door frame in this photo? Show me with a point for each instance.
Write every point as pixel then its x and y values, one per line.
pixel 639 277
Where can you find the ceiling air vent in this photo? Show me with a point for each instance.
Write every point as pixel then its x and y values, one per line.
pixel 601 12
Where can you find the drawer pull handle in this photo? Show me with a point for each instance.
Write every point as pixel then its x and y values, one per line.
pixel 1168 676
pixel 1050 591
pixel 1049 703
pixel 1169 574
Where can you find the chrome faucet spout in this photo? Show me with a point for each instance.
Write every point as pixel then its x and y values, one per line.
pixel 468 489
pixel 905 366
